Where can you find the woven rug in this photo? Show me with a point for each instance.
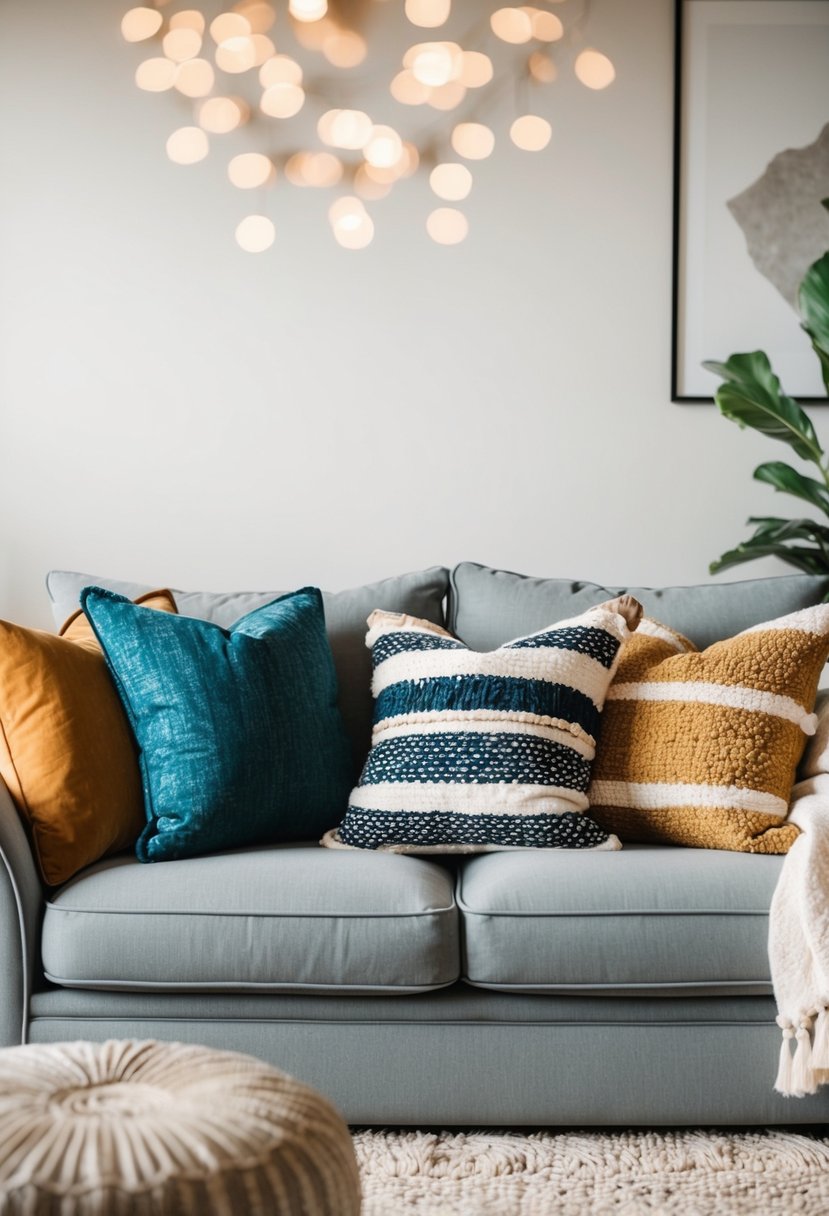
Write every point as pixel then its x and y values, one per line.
pixel 680 1173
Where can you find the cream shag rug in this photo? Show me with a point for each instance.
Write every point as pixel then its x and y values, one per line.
pixel 681 1173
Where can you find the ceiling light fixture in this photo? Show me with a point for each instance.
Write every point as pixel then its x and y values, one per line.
pixel 421 100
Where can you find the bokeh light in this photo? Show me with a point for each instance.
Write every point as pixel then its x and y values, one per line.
pixel 594 69
pixel 255 233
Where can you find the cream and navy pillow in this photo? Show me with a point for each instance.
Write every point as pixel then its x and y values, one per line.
pixel 700 748
pixel 477 752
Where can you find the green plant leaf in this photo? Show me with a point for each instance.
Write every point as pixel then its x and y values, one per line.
pixel 777 531
pixel 810 561
pixel 788 481
pixel 814 309
pixel 752 397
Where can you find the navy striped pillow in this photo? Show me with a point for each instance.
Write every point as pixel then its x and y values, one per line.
pixel 477 752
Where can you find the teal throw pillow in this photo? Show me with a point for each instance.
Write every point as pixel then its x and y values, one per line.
pixel 239 735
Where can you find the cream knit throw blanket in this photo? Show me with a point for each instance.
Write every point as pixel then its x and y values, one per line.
pixel 799 926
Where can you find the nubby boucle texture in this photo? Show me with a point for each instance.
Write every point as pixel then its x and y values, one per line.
pixel 700 749
pixel 474 752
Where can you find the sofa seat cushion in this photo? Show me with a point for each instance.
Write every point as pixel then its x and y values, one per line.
pixel 285 918
pixel 656 919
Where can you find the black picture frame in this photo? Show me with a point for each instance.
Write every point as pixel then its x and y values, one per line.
pixel 686 89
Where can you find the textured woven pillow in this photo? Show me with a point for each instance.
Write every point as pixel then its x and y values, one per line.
pixel 700 748
pixel 240 739
pixel 477 752
pixel 66 750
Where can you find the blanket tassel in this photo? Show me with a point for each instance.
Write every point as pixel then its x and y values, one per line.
pixel 820 1046
pixel 803 1077
pixel 783 1084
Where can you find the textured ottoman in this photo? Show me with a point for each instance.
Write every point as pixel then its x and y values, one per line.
pixel 152 1129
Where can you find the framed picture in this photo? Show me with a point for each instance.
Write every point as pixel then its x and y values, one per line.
pixel 751 165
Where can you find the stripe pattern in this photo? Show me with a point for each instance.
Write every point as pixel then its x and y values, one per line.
pixel 478 752
pixel 700 749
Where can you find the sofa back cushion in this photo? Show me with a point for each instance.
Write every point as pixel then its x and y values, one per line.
pixel 420 593
pixel 488 607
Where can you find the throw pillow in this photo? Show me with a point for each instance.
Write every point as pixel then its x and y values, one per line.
pixel 66 749
pixel 240 739
pixel 420 593
pixel 701 748
pixel 477 752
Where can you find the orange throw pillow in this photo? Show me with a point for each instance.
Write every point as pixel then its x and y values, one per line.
pixel 66 749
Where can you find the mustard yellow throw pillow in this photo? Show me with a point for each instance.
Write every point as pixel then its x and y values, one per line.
pixel 700 748
pixel 66 750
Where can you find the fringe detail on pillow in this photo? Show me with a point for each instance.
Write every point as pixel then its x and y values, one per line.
pixel 801 1073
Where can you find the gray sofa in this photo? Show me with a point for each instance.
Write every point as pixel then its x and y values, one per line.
pixel 531 988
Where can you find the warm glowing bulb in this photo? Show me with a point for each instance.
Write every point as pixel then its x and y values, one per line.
pixel 594 69
pixel 263 49
pixel 530 132
pixel 182 44
pixel 511 25
pixel 282 100
pixel 236 54
pixel 352 225
pixel 280 69
pixel 140 23
pixel 195 78
pixel 434 63
pixel 155 75
pixel 409 91
pixel 259 16
pixel 308 10
pixel 222 114
pixel 547 27
pixel 428 13
pixel 344 49
pixel 368 187
pixel 187 145
pixel 255 233
pixel 476 69
pixel 451 181
pixel 229 25
pixel 188 19
pixel 542 67
pixel 351 129
pixel 250 169
pixel 322 169
pixel 448 96
pixel 346 209
pixel 447 226
pixel 384 147
pixel 473 140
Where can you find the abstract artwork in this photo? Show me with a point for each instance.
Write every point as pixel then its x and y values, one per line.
pixel 751 169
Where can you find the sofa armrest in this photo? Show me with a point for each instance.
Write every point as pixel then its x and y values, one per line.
pixel 21 904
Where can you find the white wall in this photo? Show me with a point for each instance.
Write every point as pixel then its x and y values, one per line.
pixel 177 411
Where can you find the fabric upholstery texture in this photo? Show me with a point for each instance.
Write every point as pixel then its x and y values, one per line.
pixel 487 606
pixel 239 732
pixel 66 751
pixel 132 1128
pixel 269 919
pixel 476 751
pixel 469 1057
pixel 420 593
pixel 650 919
pixel 700 749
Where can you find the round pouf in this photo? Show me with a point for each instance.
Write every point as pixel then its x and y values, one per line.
pixel 152 1129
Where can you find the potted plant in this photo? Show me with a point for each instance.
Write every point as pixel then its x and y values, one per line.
pixel 751 396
